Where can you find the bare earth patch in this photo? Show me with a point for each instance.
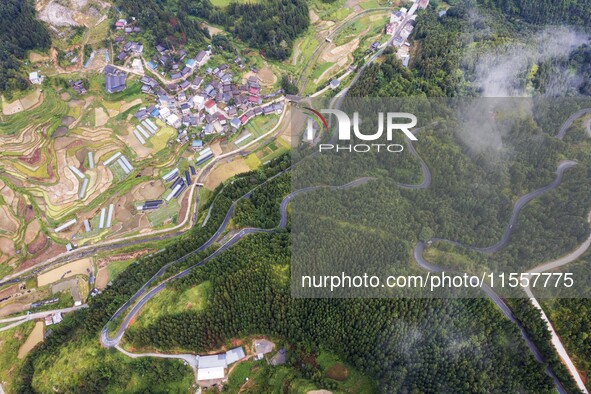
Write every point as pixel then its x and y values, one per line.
pixel 225 171
pixel 102 279
pixel 266 76
pixel 100 117
pixel 35 337
pixel 29 101
pixel 313 17
pixel 32 231
pixel 78 267
pixel 334 54
pixel 148 191
pixel 35 57
pixel 213 30
pixel 57 15
pixel 38 244
pixel 13 308
pixel 338 372
pixel 216 148
pixel 126 106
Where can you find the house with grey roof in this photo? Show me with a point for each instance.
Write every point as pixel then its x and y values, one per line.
pixel 114 79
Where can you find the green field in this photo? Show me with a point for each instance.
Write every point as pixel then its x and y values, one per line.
pixel 165 212
pixel 169 302
pixel 90 366
pixel 117 267
pixel 320 69
pixel 49 113
pixel 260 125
pixel 263 377
pixel 161 138
pixel 117 171
pixel 10 341
pixel 99 33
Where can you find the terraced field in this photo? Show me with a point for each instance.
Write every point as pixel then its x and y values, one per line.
pixel 46 178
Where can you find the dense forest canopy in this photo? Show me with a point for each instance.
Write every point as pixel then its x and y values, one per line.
pixel 168 22
pixel 408 345
pixel 576 12
pixel 20 31
pixel 268 25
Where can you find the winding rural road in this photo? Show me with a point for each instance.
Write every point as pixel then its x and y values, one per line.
pixel 520 203
pixel 141 299
pixel 108 341
pixel 517 207
pixel 158 235
pixel 572 256
pixel 303 80
pixel 569 122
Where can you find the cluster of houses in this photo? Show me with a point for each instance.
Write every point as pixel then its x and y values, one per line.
pixel 401 26
pixel 122 24
pixel 212 367
pixel 56 318
pixel 174 62
pixel 131 48
pixel 127 48
pixel 211 101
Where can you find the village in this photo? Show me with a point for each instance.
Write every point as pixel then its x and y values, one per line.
pixel 188 95
pixel 129 159
pixel 194 94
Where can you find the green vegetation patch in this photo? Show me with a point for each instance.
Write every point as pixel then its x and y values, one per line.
pixel 166 212
pixel 90 366
pixel 170 302
pixel 10 341
pixel 116 267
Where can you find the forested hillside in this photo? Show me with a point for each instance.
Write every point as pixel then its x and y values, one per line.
pixel 435 71
pixel 268 25
pixel 167 23
pixel 578 64
pixel 576 12
pixel 408 345
pixel 20 31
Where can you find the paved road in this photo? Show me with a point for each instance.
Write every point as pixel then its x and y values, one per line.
pixel 159 235
pixel 424 264
pixel 344 24
pixel 18 320
pixel 520 203
pixel 568 123
pixel 572 256
pixel 379 52
pixel 417 253
pixel 110 342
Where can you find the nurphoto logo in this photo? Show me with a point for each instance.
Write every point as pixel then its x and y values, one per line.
pixel 388 122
